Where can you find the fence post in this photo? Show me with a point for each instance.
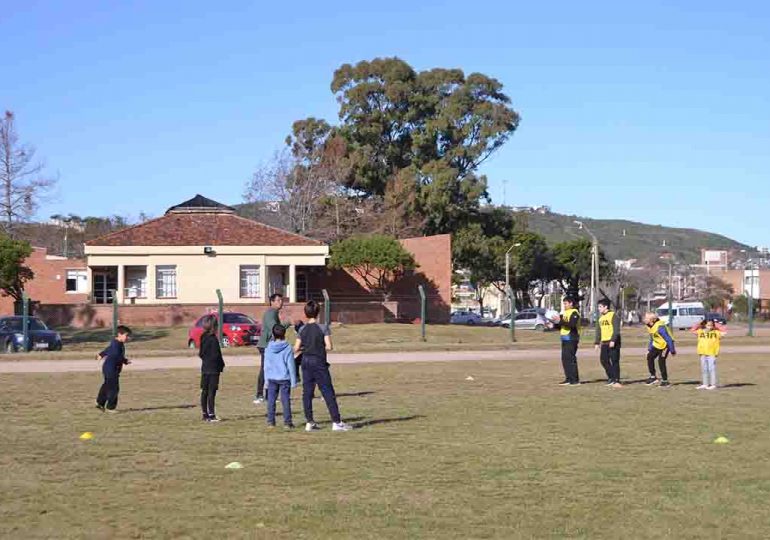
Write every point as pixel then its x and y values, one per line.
pixel 423 310
pixel 25 321
pixel 327 307
pixel 114 312
pixel 512 301
pixel 220 318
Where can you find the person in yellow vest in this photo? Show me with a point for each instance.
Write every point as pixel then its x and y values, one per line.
pixel 661 344
pixel 608 342
pixel 568 323
pixel 709 336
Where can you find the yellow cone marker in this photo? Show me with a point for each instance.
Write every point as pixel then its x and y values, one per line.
pixel 234 465
pixel 87 436
pixel 721 440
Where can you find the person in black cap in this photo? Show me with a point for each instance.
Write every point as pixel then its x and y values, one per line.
pixel 568 323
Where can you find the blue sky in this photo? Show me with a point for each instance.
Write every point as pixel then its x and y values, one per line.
pixel 655 112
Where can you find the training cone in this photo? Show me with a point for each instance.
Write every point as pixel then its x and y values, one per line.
pixel 87 436
pixel 234 465
pixel 721 440
pixel 469 378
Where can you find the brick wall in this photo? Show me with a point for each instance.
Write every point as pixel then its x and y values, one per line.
pixel 49 284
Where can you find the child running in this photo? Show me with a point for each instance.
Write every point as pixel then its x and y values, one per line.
pixel 709 336
pixel 212 365
pixel 114 357
pixel 661 344
pixel 313 342
pixel 280 375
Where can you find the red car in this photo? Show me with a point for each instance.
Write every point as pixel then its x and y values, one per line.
pixel 239 330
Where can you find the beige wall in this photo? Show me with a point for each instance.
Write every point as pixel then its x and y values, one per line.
pixel 198 275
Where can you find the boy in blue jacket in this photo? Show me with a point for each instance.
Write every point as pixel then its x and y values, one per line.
pixel 280 375
pixel 114 357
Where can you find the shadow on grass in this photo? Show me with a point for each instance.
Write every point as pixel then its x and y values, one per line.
pixel 355 394
pixel 160 408
pixel 104 335
pixel 737 385
pixel 686 383
pixel 361 424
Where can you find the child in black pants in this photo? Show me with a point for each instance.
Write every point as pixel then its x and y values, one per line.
pixel 114 357
pixel 313 341
pixel 212 364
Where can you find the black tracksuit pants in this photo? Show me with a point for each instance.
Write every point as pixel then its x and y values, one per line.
pixel 108 393
pixel 315 371
pixel 569 360
pixel 610 359
pixel 209 386
pixel 661 356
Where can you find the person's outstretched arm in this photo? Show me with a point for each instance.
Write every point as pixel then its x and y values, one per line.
pixel 667 338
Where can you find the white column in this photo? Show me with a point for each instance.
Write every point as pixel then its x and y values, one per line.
pixel 120 292
pixel 264 282
pixel 292 283
pixel 150 283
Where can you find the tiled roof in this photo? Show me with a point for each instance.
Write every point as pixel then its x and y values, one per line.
pixel 202 229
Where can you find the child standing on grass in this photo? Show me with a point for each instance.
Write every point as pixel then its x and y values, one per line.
pixel 212 365
pixel 661 344
pixel 313 342
pixel 709 336
pixel 114 357
pixel 280 376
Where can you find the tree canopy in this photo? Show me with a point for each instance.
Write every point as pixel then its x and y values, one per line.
pixel 379 260
pixel 13 273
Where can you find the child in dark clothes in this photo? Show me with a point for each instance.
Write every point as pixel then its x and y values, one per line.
pixel 114 357
pixel 212 365
pixel 313 341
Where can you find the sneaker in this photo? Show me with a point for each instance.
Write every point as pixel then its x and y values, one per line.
pixel 651 381
pixel 574 384
pixel 665 383
pixel 341 426
pixel 610 382
pixel 312 426
pixel 100 407
pixel 288 427
pixel 214 419
pixel 205 418
pixel 712 387
pixel 617 384
pixel 701 387
pixel 271 426
pixel 564 383
pixel 259 400
pixel 112 411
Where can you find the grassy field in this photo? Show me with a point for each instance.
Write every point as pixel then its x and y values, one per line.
pixel 507 455
pixel 155 341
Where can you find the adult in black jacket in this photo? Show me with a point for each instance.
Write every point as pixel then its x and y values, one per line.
pixel 212 364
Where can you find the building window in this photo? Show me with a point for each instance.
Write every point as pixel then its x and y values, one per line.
pixel 77 281
pixel 166 281
pixel 251 282
pixel 136 282
pixel 301 289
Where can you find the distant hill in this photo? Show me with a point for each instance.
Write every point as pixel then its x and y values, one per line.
pixel 641 241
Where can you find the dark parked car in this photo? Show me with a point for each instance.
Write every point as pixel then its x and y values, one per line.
pixel 718 317
pixel 40 337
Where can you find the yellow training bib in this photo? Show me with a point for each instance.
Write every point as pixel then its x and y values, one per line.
pixel 657 340
pixel 565 317
pixel 605 325
pixel 708 342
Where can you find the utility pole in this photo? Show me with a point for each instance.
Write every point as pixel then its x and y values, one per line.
pixel 594 268
pixel 508 289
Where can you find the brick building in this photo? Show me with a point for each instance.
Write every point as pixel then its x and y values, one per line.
pixel 57 281
pixel 166 271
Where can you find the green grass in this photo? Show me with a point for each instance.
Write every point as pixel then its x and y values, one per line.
pixel 508 455
pixel 172 341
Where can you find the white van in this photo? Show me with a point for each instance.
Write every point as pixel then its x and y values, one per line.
pixel 686 314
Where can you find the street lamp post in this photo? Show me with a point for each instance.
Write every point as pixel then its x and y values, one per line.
pixel 509 291
pixel 594 267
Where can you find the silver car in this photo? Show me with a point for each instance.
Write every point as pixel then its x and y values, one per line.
pixel 528 320
pixel 465 317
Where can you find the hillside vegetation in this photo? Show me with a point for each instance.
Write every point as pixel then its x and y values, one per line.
pixel 641 241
